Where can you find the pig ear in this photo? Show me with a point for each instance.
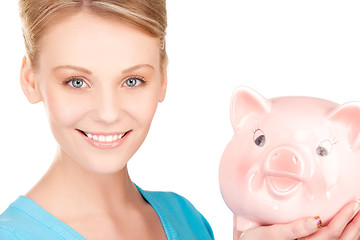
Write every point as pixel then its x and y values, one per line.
pixel 349 115
pixel 246 102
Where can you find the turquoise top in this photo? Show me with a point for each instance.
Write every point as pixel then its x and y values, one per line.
pixel 25 220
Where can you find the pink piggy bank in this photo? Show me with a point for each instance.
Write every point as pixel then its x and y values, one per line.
pixel 290 157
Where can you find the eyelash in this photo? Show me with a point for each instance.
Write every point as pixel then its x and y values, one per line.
pixel 135 77
pixel 256 128
pixel 67 81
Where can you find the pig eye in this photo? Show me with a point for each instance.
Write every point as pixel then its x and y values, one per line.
pixel 259 138
pixel 321 151
pixel 324 148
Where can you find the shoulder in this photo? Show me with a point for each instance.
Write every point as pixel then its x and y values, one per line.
pixel 11 233
pixel 10 225
pixel 180 214
pixel 7 234
pixel 176 204
pixel 24 220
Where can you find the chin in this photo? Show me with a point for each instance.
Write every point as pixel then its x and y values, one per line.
pixel 104 165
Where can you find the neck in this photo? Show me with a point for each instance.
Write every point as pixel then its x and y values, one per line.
pixel 67 188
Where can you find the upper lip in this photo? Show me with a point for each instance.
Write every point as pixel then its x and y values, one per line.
pixel 284 175
pixel 102 133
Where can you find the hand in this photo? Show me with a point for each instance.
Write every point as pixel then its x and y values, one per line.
pixel 300 228
pixel 345 226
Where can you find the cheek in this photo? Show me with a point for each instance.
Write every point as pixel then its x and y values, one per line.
pixel 63 109
pixel 142 106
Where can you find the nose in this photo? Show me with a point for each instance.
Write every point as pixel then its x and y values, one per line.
pixel 284 160
pixel 107 107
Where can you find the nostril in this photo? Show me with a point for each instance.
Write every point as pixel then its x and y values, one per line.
pixel 275 155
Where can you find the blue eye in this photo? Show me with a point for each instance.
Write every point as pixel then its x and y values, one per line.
pixel 133 82
pixel 76 83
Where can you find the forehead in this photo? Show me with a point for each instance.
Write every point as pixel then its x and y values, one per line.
pixel 302 105
pixel 290 112
pixel 299 118
pixel 92 42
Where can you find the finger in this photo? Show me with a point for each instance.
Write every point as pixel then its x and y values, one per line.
pixel 301 228
pixel 341 220
pixel 236 233
pixel 352 230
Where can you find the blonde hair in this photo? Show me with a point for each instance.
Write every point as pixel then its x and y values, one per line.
pixel 37 15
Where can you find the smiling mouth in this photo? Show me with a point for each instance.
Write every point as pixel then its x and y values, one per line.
pixel 283 184
pixel 104 138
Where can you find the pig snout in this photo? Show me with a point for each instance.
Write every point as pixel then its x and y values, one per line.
pixel 283 171
pixel 284 160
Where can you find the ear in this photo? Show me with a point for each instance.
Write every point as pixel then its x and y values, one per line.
pixel 28 83
pixel 348 115
pixel 245 102
pixel 163 86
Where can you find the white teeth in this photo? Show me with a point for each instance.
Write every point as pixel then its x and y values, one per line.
pixel 102 138
pixel 115 137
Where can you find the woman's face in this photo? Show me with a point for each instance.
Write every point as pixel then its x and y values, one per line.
pixel 100 81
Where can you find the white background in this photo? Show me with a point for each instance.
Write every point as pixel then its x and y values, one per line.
pixel 279 48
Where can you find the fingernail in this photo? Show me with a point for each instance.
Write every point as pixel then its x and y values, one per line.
pixel 314 223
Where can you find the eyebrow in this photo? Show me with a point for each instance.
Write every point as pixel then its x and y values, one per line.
pixel 81 69
pixel 76 68
pixel 136 67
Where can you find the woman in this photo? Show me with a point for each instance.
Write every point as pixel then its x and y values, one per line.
pixel 99 67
